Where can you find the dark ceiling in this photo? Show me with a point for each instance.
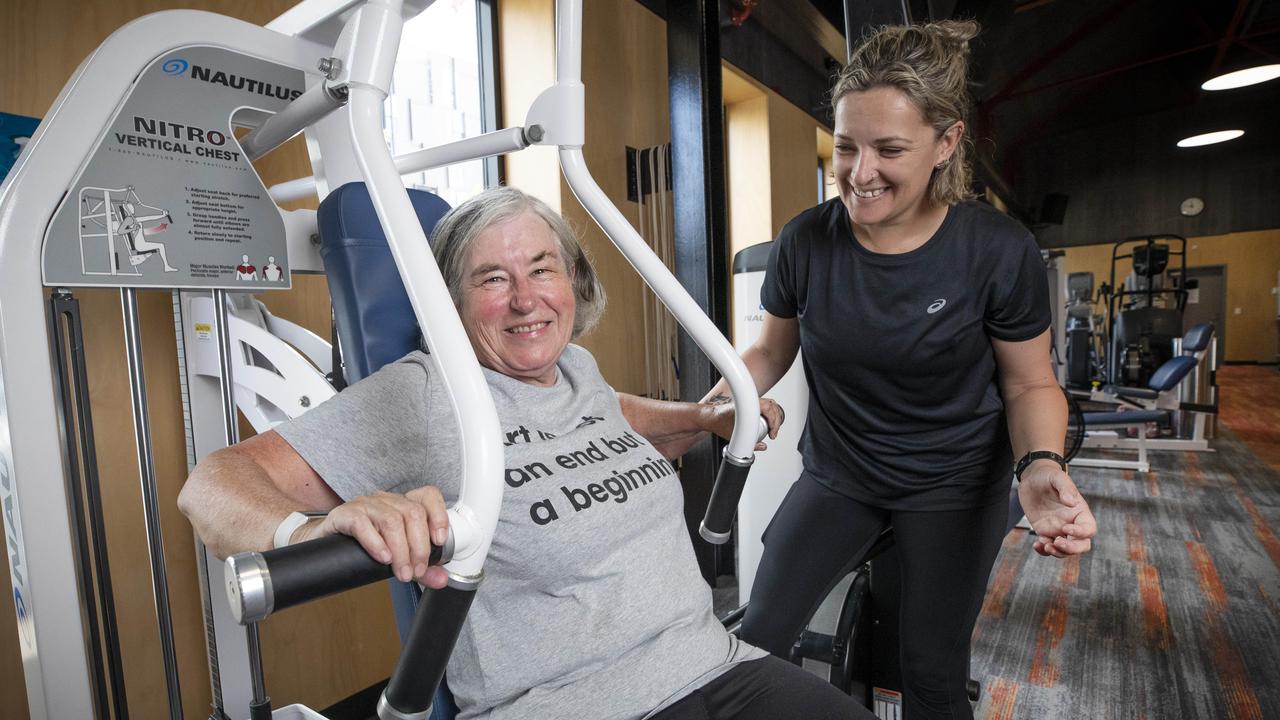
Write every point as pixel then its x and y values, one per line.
pixel 1077 72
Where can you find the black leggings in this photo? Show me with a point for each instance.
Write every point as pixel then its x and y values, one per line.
pixel 766 689
pixel 946 558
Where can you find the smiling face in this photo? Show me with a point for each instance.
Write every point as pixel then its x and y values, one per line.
pixel 517 301
pixel 885 154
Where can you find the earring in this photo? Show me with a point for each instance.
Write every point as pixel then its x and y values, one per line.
pixel 942 164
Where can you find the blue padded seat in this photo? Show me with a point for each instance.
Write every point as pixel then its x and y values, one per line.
pixel 375 321
pixel 1197 338
pixel 1168 375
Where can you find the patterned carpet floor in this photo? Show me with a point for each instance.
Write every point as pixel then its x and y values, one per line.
pixel 1250 406
pixel 1176 611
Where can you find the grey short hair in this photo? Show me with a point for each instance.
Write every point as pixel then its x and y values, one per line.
pixel 456 233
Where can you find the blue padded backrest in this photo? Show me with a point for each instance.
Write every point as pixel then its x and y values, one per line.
pixel 1168 375
pixel 375 320
pixel 1197 338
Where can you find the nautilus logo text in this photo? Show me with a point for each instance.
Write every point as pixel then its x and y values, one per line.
pixel 937 305
pixel 175 66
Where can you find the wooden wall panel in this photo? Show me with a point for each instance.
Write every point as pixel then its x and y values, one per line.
pixel 625 74
pixel 793 161
pixel 772 156
pixel 624 69
pixel 749 183
pixel 1252 260
pixel 526 32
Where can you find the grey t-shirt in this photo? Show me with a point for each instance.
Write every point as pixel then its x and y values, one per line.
pixel 592 605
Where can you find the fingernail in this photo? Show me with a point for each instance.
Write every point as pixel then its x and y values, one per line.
pixel 404 573
pixel 420 570
pixel 440 536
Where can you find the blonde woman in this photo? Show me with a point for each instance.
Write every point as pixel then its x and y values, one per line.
pixel 924 320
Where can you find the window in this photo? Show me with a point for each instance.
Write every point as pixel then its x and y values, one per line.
pixel 444 90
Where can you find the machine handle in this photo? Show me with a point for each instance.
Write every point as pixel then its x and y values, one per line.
pixel 259 584
pixel 731 478
pixel 426 651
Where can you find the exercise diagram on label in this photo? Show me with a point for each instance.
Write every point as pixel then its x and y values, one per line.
pixel 119 233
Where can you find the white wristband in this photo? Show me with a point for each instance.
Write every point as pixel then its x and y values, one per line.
pixel 284 531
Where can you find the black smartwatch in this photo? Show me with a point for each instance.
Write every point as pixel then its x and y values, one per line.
pixel 1038 455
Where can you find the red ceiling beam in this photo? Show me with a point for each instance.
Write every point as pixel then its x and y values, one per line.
pixel 1242 40
pixel 1229 37
pixel 1089 27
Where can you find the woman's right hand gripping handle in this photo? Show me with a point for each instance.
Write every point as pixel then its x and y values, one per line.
pixel 370 538
pixel 400 531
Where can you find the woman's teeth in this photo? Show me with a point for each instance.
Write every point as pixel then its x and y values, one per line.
pixel 527 328
pixel 869 193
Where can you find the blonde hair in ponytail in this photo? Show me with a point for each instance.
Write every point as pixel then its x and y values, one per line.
pixel 928 63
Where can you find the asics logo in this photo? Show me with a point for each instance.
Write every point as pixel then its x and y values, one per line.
pixel 937 305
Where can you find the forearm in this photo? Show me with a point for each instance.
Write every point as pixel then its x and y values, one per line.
pixel 662 421
pixel 233 504
pixel 766 366
pixel 1037 419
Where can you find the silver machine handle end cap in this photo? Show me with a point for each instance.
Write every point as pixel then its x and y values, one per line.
pixel 712 536
pixel 249 590
pixel 387 712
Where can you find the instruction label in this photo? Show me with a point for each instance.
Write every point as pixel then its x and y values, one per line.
pixel 167 198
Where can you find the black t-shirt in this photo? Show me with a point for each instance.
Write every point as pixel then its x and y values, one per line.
pixel 904 407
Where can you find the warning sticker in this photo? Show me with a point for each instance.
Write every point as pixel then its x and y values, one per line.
pixel 888 703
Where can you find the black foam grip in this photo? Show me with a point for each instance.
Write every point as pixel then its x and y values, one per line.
pixel 426 651
pixel 724 497
pixel 260 711
pixel 325 566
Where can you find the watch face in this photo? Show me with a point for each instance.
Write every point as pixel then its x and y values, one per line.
pixel 1192 206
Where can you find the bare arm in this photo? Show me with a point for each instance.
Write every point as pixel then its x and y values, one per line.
pixel 1034 404
pixel 769 357
pixel 675 431
pixel 767 360
pixel 673 427
pixel 1037 414
pixel 237 497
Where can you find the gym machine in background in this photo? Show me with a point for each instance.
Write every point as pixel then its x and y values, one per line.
pixel 1146 363
pixel 1145 311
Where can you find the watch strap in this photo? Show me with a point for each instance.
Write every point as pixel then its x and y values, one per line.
pixel 1038 455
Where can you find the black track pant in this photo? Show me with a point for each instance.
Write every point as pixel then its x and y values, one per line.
pixel 766 689
pixel 817 537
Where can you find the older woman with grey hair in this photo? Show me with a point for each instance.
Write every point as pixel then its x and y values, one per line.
pixel 592 604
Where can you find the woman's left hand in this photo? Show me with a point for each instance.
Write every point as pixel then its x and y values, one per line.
pixel 1058 513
